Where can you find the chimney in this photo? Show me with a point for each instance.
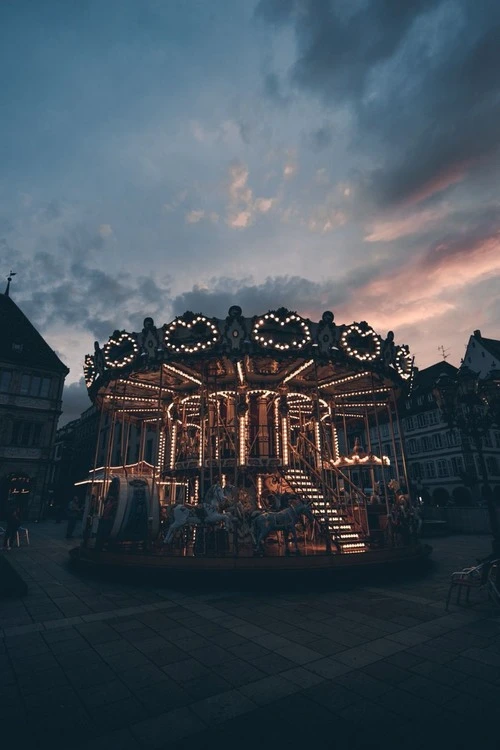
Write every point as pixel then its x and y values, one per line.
pixel 477 334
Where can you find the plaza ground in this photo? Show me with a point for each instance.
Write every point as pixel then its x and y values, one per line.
pixel 92 663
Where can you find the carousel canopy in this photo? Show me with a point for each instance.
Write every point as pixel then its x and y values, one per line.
pixel 277 351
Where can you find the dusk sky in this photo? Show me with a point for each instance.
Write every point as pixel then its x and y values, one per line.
pixel 164 155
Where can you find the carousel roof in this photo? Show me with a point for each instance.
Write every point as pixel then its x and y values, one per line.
pixel 278 349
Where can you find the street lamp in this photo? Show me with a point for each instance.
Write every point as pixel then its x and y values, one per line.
pixel 471 405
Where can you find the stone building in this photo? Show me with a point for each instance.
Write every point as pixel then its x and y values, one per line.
pixel 31 384
pixel 443 465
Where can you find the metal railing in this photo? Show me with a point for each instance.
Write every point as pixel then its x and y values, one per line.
pixel 354 504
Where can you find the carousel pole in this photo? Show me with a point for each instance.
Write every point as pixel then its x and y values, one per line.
pixel 380 449
pixel 210 428
pixel 122 431
pixel 202 437
pixel 393 441
pixel 369 447
pixel 156 467
pixel 321 462
pixel 403 455
pixel 94 507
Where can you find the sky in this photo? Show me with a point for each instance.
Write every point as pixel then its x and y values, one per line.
pixel 159 156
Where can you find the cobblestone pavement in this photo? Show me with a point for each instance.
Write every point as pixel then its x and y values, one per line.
pixel 90 663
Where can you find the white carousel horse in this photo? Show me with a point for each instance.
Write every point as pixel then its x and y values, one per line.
pixel 207 512
pixel 285 520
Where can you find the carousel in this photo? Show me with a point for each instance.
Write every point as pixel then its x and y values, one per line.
pixel 249 443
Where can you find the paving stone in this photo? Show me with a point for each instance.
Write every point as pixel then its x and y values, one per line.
pixel 364 684
pixel 357 657
pixel 126 660
pixel 475 669
pixel 223 707
pixel 387 672
pixel 248 650
pixel 407 705
pixel 431 653
pixel 185 670
pixel 90 675
pixel 162 696
pixel 211 655
pixel 224 640
pixel 302 676
pixel 32 682
pixel 328 667
pixel 440 673
pixel 116 715
pixel 272 663
pixel 120 738
pixel 384 646
pixel 110 648
pixel 428 689
pixel 483 656
pixel 167 728
pixel 204 687
pixel 139 676
pixel 238 672
pixel 105 693
pixel 405 659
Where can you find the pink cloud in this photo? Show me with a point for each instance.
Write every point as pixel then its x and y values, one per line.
pixel 443 180
pixel 404 226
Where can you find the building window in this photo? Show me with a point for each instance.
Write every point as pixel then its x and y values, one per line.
pixel 421 420
pixel 433 416
pixel 457 466
pixel 416 471
pixel 430 470
pixel 497 439
pixel 410 424
pixel 26 433
pixel 492 465
pixel 442 468
pixel 5 380
pixel 35 385
pixel 426 443
pixel 437 441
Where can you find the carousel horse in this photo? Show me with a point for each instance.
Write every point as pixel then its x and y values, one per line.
pixel 285 521
pixel 207 512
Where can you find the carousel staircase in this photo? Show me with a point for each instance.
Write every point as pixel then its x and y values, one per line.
pixel 342 528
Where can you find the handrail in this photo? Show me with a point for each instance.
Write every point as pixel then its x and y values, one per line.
pixel 358 514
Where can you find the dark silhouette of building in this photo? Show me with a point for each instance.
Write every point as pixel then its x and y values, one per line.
pixel 31 384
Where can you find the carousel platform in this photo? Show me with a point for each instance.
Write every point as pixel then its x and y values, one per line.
pixel 311 562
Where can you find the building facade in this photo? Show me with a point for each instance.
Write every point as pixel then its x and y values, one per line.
pixel 31 384
pixel 443 465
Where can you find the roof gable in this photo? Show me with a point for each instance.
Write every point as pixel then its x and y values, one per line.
pixel 20 342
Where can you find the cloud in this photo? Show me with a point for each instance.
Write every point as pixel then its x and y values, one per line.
pixel 105 230
pixel 388 230
pixel 419 78
pixel 243 207
pixel 75 400
pixel 193 217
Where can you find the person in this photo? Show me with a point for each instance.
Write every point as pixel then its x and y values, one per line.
pixel 73 516
pixel 107 519
pixel 13 524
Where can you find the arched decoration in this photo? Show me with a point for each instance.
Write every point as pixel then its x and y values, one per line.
pixel 360 341
pixel 89 371
pixel 282 330
pixel 120 350
pixel 403 362
pixel 191 333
